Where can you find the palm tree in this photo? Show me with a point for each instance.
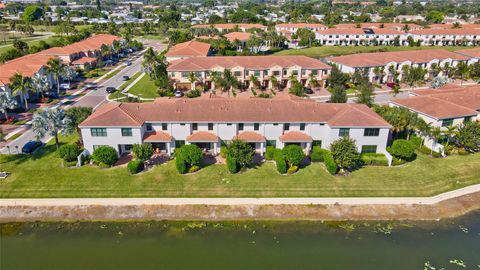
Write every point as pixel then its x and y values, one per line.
pixel 379 72
pixel 450 132
pixel 20 86
pixel 435 69
pixel 192 78
pixel 55 66
pixel 40 84
pixel 446 69
pixel 215 77
pixel 274 83
pixel 51 122
pixel 253 81
pixel 68 73
pixel 462 71
pixel 228 82
pixel 393 72
pixel 6 102
pixel 434 135
pixel 312 81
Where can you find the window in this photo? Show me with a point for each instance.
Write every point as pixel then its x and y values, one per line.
pixel 344 132
pixel 256 73
pixel 179 144
pixel 304 72
pixel 284 72
pixel 148 126
pixel 240 126
pixel 276 73
pixel 126 132
pixel 182 124
pixel 237 73
pixel 447 122
pixel 302 126
pixel 317 143
pixel 371 132
pixel 272 143
pixel 265 73
pixel 256 126
pixel 185 74
pixel 128 147
pixel 369 149
pixel 210 126
pixel 295 72
pixel 229 124
pixel 194 126
pixel 286 126
pixel 314 72
pixel 467 119
pixel 164 126
pixel 98 132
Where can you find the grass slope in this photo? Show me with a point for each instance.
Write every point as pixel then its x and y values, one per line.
pixel 324 51
pixel 145 88
pixel 42 175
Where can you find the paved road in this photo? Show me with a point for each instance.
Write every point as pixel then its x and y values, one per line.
pixel 244 201
pixel 93 99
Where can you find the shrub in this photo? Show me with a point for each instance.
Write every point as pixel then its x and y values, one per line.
pixel 270 152
pixel 462 152
pixel 293 154
pixel 417 141
pixel 397 161
pixel 142 151
pixel 281 165
pixel 374 159
pixel 232 165
pixel 194 93
pixel 69 152
pixel 180 165
pixel 292 169
pixel 135 166
pixel 241 152
pixel 223 151
pixel 318 153
pixel 403 149
pixel 106 155
pixel 427 151
pixel 330 163
pixel 193 169
pixel 345 154
pixel 190 154
pixel 69 163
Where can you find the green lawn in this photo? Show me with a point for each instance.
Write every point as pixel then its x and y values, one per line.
pixel 145 88
pixel 42 175
pixel 324 51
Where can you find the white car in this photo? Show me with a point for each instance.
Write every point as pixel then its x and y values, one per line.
pixel 65 86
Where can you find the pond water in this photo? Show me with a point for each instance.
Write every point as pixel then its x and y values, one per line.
pixel 445 244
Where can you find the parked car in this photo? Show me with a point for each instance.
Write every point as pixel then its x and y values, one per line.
pixel 90 86
pixel 126 78
pixel 65 86
pixel 178 93
pixel 128 63
pixel 393 85
pixel 51 94
pixel 110 89
pixel 31 146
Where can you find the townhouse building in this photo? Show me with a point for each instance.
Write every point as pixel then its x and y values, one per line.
pixel 404 27
pixel 447 37
pixel 442 108
pixel 288 29
pixel 473 53
pixel 390 64
pixel 210 122
pixel 283 68
pixel 225 27
pixel 360 36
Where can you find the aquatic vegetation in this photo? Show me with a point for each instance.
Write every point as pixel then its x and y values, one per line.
pixel 428 266
pixel 465 230
pixel 458 262
pixel 103 226
pixel 387 230
pixel 225 181
pixel 8 229
pixel 196 225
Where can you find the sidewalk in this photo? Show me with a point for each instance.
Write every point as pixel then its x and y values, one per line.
pixel 243 201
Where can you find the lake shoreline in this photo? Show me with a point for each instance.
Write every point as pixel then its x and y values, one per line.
pixel 450 208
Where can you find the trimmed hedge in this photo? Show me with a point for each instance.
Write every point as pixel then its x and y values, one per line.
pixel 135 166
pixel 181 166
pixel 318 153
pixel 232 165
pixel 330 163
pixel 403 149
pixel 270 152
pixel 105 156
pixel 281 165
pixel 417 141
pixel 69 152
pixel 427 151
pixel 374 159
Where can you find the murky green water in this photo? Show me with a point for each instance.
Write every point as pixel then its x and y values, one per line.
pixel 247 245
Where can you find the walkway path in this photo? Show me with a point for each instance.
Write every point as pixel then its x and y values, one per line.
pixel 243 201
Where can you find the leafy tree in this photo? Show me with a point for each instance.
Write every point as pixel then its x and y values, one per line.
pixel 32 13
pixel 297 89
pixel 241 152
pixel 364 94
pixel 337 78
pixel 401 119
pixel 190 154
pixel 20 45
pixel 345 154
pixel 306 36
pixel 51 121
pixel 213 19
pixel 403 149
pixel 468 136
pixel 435 16
pixel 6 102
pixel 293 154
pixel 76 115
pixel 142 151
pixel 338 94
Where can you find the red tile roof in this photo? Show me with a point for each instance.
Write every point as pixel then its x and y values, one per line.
pixel 202 136
pixel 249 62
pixel 454 32
pixel 301 25
pixel 445 104
pixel 190 48
pixel 395 26
pixel 226 26
pixel 89 44
pixel 473 52
pixel 383 58
pixel 250 136
pixel 157 136
pixel 450 26
pixel 290 110
pixel 295 136
pixel 84 60
pixel 242 36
